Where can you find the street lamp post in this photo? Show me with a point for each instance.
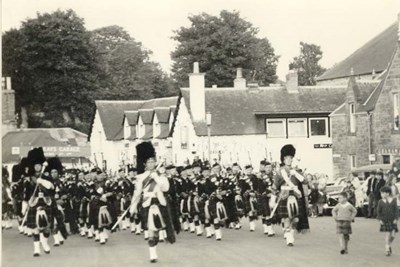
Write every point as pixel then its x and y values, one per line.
pixel 208 120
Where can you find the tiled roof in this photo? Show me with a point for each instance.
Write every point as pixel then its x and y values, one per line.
pixel 132 117
pixel 40 137
pixel 365 90
pixel 164 133
pixel 374 55
pixel 112 112
pixel 146 115
pixel 234 112
pixel 149 132
pixel 133 133
pixel 163 114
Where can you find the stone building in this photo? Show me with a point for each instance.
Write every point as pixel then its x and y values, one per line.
pixel 249 123
pixel 365 128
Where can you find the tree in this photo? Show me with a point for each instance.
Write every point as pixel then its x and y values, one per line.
pixel 221 44
pixel 53 65
pixel 307 63
pixel 128 71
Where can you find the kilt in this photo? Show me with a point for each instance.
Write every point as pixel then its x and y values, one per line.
pixel 282 209
pixel 49 209
pixel 389 227
pixel 94 208
pixel 264 208
pixel 84 209
pixel 343 227
pixel 144 213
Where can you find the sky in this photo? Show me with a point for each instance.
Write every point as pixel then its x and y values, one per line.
pixel 338 26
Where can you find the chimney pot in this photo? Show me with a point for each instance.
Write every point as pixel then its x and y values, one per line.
pixel 292 81
pixel 239 73
pixel 239 82
pixel 196 67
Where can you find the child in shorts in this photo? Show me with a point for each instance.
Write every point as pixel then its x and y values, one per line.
pixel 344 213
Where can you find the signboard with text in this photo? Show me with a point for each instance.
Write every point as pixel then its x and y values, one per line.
pixel 59 151
pixel 322 145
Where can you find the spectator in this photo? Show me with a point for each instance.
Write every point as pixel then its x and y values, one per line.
pixel 350 192
pixel 377 189
pixel 371 184
pixel 313 198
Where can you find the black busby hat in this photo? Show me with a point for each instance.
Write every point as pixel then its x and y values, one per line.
pixel 17 172
pixel 287 150
pixel 144 151
pixel 54 164
pixel 36 156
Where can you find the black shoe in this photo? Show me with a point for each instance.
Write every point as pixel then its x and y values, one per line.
pixel 36 254
pixel 56 245
pixel 153 260
pixel 342 251
pixel 47 252
pixel 290 245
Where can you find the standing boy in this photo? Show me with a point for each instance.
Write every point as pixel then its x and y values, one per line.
pixel 344 213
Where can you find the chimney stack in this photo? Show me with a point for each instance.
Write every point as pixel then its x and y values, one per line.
pixel 239 82
pixel 197 93
pixel 292 81
pixel 8 106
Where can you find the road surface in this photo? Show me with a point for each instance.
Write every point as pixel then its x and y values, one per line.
pixel 238 248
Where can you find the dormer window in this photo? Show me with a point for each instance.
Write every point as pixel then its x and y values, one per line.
pixel 352 113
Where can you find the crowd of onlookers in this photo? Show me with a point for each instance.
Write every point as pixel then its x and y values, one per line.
pixel 358 193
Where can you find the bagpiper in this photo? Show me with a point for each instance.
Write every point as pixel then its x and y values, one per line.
pixel 267 196
pixel 54 169
pixel 41 206
pixel 149 192
pixel 292 200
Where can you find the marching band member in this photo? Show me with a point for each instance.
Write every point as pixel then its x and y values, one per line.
pixel 267 199
pixel 41 206
pixel 251 197
pixel 54 169
pixel 292 204
pixel 149 192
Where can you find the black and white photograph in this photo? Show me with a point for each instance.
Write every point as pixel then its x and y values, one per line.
pixel 200 133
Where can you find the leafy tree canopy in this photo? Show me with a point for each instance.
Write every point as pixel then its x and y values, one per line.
pixel 221 44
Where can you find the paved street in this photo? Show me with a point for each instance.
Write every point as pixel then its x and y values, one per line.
pixel 238 248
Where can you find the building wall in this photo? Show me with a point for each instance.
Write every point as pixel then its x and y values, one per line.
pixel 102 149
pixel 386 139
pixel 246 149
pixel 345 144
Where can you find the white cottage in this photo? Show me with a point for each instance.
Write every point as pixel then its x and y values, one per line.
pixel 250 123
pixel 118 126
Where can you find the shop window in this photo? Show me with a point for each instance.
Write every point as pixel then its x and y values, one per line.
pixel 318 126
pixel 276 127
pixel 386 159
pixel 297 127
